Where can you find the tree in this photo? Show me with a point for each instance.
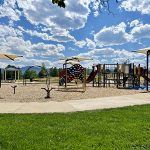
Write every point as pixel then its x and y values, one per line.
pixel 60 3
pixel 30 74
pixel 43 71
pixel 54 72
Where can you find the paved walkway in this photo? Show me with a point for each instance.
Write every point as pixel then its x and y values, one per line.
pixel 76 105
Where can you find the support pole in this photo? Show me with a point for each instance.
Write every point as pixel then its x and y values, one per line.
pixel 133 82
pixel 94 78
pixel 147 69
pixel 139 73
pixel 117 75
pixel 15 75
pixel 99 68
pixel 5 75
pixel 0 77
pixel 18 75
pixel 84 81
pixel 104 75
pixel 66 74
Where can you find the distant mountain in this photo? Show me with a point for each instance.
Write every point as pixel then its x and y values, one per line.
pixel 35 68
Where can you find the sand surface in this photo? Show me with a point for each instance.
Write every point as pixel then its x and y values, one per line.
pixel 34 93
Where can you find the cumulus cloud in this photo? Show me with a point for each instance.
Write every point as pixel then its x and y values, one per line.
pixel 142 6
pixel 114 35
pixel 62 36
pixel 140 31
pixel 80 44
pixel 74 16
pixel 90 44
pixel 9 9
pixel 110 55
pixel 122 33
pixel 56 20
pixel 12 41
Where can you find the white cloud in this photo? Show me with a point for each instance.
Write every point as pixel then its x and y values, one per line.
pixel 12 42
pixel 9 9
pixel 114 35
pixel 122 33
pixel 141 31
pixel 90 44
pixel 143 6
pixel 95 6
pixel 9 31
pixel 63 36
pixel 134 23
pixel 80 44
pixel 110 55
pixel 74 16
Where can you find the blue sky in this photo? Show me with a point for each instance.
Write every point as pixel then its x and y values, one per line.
pixel 43 32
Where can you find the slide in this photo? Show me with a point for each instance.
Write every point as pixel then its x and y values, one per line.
pixel 91 76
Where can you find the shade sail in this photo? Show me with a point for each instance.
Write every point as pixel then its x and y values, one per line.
pixel 77 58
pixel 72 62
pixel 143 51
pixel 9 56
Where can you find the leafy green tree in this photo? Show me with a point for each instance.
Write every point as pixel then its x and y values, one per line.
pixel 43 71
pixel 60 3
pixel 30 74
pixel 54 72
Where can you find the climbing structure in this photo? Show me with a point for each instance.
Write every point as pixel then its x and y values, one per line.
pixel 75 74
pixel 119 75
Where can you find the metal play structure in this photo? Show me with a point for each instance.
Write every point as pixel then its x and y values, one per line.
pixel 145 51
pixel 119 75
pixel 75 74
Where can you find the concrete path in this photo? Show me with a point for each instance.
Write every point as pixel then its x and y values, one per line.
pixel 76 105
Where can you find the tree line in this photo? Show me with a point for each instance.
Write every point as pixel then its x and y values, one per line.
pixel 31 73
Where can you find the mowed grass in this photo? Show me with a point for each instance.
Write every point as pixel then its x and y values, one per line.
pixel 122 129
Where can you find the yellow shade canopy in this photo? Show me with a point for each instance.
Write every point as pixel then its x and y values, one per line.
pixel 143 51
pixel 9 56
pixel 77 59
pixel 73 62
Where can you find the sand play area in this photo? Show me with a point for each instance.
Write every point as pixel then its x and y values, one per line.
pixel 34 93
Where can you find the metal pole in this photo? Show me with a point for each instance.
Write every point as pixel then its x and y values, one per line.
pixel 0 77
pixel 147 69
pixel 117 75
pixel 66 74
pixel 133 82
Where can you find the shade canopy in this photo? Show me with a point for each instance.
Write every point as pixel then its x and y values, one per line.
pixel 77 59
pixel 73 62
pixel 9 56
pixel 143 51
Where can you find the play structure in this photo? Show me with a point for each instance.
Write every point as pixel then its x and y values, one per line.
pixel 75 74
pixel 119 75
pixel 105 75
pixel 145 51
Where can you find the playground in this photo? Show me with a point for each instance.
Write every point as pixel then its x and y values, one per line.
pixel 73 82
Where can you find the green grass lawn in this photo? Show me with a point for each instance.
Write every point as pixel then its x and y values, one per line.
pixel 122 129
